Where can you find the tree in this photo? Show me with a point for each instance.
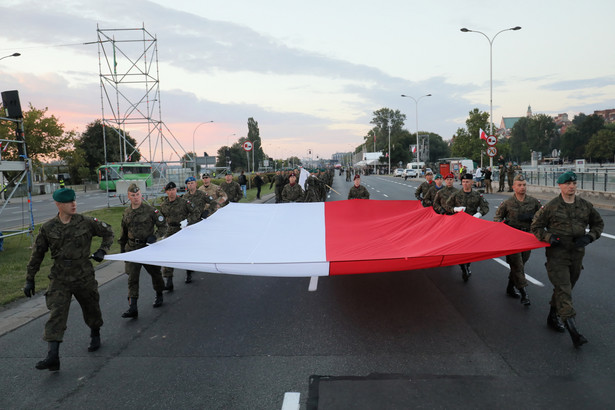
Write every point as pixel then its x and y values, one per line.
pixel 467 143
pixel 601 147
pixel 92 144
pixel 383 118
pixel 255 139
pixel 577 136
pixel 44 136
pixel 537 133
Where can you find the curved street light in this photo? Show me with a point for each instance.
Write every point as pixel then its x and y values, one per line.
pixel 193 148
pixel 490 40
pixel 416 102
pixel 10 55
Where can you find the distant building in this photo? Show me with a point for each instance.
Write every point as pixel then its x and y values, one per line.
pixel 507 123
pixel 608 115
pixel 562 122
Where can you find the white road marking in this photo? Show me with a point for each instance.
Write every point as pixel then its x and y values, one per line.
pixel 528 277
pixel 608 236
pixel 313 284
pixel 291 401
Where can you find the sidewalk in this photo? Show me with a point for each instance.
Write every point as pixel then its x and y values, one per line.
pixel 22 311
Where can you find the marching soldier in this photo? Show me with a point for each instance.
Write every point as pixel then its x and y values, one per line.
pixel 436 186
pixel 518 212
pixel 215 192
pixel 471 202
pixel 358 191
pixel 293 191
pixel 68 236
pixel 175 210
pixel 562 222
pixel 510 173
pixel 421 191
pixel 279 182
pixel 142 224
pixel 439 201
pixel 231 189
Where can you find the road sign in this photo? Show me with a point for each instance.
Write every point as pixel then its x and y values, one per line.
pixel 247 146
pixel 492 140
pixel 492 151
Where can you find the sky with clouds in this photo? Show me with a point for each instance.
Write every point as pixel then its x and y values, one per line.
pixel 312 73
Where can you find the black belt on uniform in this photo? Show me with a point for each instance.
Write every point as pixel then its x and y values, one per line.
pixel 69 262
pixel 175 225
pixel 138 241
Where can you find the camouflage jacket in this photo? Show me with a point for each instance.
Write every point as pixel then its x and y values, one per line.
pixel 138 224
pixel 199 199
pixel 431 195
pixel 292 193
pixel 177 211
pixel 421 191
pixel 567 221
pixel 518 214
pixel 439 201
pixel 218 195
pixel 473 201
pixel 233 191
pixel 69 245
pixel 314 189
pixel 359 192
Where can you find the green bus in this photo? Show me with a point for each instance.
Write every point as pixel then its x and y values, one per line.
pixel 108 174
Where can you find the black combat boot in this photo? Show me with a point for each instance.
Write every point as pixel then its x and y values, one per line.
pixel 511 291
pixel 169 285
pixel 94 340
pixel 465 271
pixel 52 361
pixel 158 300
pixel 188 276
pixel 525 300
pixel 577 339
pixel 133 310
pixel 554 322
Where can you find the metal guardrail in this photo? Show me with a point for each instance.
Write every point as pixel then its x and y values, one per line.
pixel 590 181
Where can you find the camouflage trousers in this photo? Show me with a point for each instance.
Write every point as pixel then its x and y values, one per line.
pixel 564 266
pixel 517 261
pixel 58 298
pixel 134 271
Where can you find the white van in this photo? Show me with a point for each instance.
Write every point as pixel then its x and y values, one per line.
pixel 416 166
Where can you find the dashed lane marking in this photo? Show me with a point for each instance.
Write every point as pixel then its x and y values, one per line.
pixel 528 277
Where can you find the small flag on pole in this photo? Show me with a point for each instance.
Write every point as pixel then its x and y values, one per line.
pixel 413 149
pixel 482 134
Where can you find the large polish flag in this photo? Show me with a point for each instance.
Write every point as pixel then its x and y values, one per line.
pixel 331 238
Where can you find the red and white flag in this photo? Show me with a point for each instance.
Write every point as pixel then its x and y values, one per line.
pixel 413 149
pixel 335 238
pixel 482 134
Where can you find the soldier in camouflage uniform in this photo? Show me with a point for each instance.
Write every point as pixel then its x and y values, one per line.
pixel 293 191
pixel 518 212
pixel 69 237
pixel 141 224
pixel 421 191
pixel 314 188
pixel 215 192
pixel 433 190
pixel 358 191
pixel 439 201
pixel 202 202
pixel 279 182
pixel 471 202
pixel 562 223
pixel 502 177
pixel 231 189
pixel 510 174
pixel 175 210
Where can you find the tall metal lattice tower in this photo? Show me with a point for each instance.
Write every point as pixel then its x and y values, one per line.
pixel 130 99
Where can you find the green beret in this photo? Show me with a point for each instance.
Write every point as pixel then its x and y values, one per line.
pixel 566 177
pixel 134 188
pixel 438 176
pixel 64 195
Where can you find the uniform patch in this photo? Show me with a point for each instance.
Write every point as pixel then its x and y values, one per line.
pixel 161 218
pixel 104 225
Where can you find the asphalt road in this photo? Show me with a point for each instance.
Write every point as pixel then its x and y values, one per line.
pixel 414 339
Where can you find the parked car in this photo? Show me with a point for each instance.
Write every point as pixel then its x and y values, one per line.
pixel 410 173
pixel 399 172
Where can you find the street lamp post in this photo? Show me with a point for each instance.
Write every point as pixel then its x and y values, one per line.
pixel 10 55
pixel 390 119
pixel 490 40
pixel 193 146
pixel 416 104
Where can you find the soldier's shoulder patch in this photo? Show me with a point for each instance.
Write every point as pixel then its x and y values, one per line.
pixel 155 211
pixel 104 224
pixel 160 218
pixel 95 219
